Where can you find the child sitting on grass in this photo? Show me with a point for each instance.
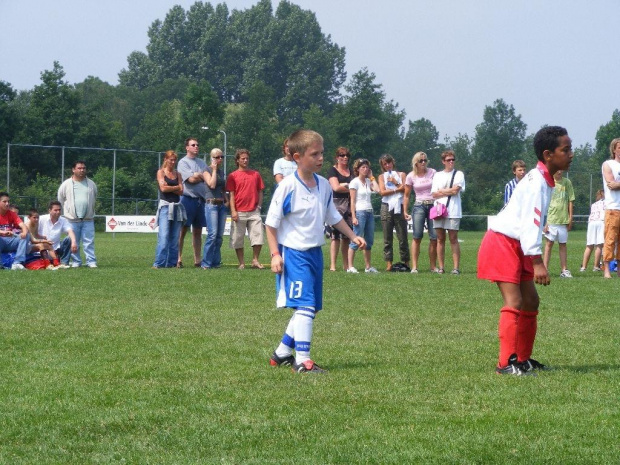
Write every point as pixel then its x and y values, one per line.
pixel 41 243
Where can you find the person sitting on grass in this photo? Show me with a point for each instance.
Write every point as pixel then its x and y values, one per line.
pixel 9 241
pixel 39 243
pixel 300 206
pixel 510 252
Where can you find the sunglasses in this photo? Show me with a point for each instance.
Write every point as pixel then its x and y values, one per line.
pixel 423 160
pixel 217 158
pixel 194 145
pixel 449 160
pixel 343 155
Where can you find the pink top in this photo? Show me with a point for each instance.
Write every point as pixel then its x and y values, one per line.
pixel 421 185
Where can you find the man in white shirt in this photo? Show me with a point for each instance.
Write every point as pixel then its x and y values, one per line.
pixel 52 226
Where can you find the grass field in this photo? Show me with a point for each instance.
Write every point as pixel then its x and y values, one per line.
pixel 125 364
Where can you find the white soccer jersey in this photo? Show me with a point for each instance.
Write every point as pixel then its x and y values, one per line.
pixel 299 212
pixel 523 218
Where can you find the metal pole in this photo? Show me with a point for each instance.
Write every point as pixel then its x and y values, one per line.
pixel 62 165
pixel 113 181
pixel 224 151
pixel 8 167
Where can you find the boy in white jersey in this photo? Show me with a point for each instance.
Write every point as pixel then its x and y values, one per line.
pixel 510 253
pixel 300 206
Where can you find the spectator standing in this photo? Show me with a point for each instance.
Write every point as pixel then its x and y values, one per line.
pixel 246 198
pixel 559 221
pixel 518 169
pixel 611 185
pixel 9 240
pixel 171 214
pixel 193 199
pixel 339 177
pixel 448 183
pixel 77 196
pixel 52 226
pixel 285 165
pixel 215 211
pixel 391 189
pixel 595 237
pixel 362 215
pixel 420 180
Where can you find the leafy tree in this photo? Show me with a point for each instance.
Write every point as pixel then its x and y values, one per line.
pixel 366 122
pixel 254 125
pixel 200 108
pixel 605 134
pixel 499 140
pixel 97 125
pixel 286 51
pixel 421 135
pixel 9 116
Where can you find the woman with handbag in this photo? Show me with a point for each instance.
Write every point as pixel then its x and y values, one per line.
pixel 446 190
pixel 420 181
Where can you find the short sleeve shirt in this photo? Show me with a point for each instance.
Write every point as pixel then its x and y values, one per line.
pixel 558 207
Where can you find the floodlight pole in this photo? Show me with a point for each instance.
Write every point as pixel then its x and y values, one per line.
pixel 225 144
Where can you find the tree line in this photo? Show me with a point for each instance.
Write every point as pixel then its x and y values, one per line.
pixel 259 74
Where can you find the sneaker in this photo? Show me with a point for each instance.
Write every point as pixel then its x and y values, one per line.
pixel 565 274
pixel 596 268
pixel 75 265
pixel 18 266
pixel 513 368
pixel 582 269
pixel 307 367
pixel 440 271
pixel 51 267
pixel 530 365
pixel 415 270
pixel 62 266
pixel 276 361
pixel 91 265
pixel 435 270
pixel 352 270
pixel 455 271
pixel 372 269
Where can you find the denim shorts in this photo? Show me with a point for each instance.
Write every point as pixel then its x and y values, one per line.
pixel 420 217
pixel 195 209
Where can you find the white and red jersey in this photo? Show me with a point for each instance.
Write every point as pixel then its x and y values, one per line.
pixel 523 217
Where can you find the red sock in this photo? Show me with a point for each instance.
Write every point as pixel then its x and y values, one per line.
pixel 507 332
pixel 526 333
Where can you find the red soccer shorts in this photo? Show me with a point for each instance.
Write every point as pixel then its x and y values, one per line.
pixel 500 259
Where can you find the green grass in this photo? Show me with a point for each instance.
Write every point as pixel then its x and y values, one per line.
pixel 124 364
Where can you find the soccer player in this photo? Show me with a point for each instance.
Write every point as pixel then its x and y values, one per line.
pixel 518 169
pixel 510 253
pixel 300 206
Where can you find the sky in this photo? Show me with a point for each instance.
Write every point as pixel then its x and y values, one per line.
pixel 555 61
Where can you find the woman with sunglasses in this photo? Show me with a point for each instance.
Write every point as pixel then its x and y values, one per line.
pixel 363 217
pixel 171 213
pixel 215 211
pixel 447 187
pixel 420 180
pixel 339 177
pixel 391 188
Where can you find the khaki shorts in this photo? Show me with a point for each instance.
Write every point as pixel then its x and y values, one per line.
pixel 253 223
pixel 447 223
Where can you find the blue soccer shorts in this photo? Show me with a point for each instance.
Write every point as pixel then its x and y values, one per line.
pixel 301 282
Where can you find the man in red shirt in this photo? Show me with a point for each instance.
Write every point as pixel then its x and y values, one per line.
pixel 246 197
pixel 9 241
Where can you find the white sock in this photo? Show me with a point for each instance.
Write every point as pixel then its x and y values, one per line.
pixel 304 318
pixel 288 341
